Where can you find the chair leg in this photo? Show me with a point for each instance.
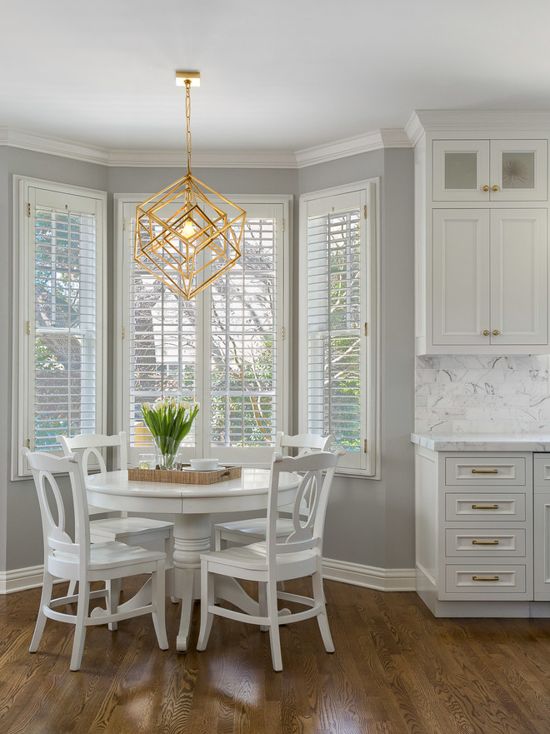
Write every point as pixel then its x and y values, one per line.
pixel 207 600
pixel 72 588
pixel 113 599
pixel 159 604
pixel 80 626
pixel 274 637
pixel 322 619
pixel 47 586
pixel 217 539
pixel 262 599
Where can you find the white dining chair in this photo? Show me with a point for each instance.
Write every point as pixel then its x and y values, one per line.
pixel 140 531
pixel 78 560
pixel 272 561
pixel 253 529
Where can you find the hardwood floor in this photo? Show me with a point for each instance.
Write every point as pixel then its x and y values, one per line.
pixel 396 669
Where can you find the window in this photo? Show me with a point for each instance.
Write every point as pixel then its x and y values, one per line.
pixel 338 277
pixel 60 314
pixel 226 348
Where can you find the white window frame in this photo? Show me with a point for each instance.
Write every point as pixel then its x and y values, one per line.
pixel 124 203
pixel 366 463
pixel 23 310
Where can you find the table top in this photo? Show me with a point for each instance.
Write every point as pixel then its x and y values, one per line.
pixel 113 490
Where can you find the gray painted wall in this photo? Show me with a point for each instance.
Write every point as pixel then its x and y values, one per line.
pixel 365 516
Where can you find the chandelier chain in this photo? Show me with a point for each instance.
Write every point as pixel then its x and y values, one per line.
pixel 188 122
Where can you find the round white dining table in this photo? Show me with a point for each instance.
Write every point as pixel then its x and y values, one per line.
pixel 192 506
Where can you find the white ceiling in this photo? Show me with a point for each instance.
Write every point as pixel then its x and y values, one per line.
pixel 277 76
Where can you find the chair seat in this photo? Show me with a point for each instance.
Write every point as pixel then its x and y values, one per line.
pixel 257 527
pixel 124 528
pixel 111 554
pixel 254 557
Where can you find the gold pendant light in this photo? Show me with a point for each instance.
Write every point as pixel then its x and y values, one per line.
pixel 188 234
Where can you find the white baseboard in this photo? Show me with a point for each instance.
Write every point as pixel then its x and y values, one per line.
pixel 20 579
pixel 371 577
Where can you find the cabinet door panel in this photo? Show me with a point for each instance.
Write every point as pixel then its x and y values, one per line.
pixel 541 531
pixel 460 170
pixel 460 276
pixel 519 170
pixel 519 276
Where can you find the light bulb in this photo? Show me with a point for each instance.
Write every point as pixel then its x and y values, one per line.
pixel 189 229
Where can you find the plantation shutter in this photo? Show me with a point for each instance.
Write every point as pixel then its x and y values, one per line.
pixel 64 354
pixel 162 346
pixel 243 345
pixel 334 320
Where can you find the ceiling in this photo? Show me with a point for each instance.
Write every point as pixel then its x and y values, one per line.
pixel 277 76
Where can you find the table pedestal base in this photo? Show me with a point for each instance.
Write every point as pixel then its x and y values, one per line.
pixel 192 536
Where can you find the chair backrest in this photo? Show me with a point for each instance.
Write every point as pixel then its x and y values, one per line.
pixel 44 467
pixel 306 443
pixel 90 444
pixel 315 472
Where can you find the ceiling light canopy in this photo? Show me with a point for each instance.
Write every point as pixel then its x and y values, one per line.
pixel 188 234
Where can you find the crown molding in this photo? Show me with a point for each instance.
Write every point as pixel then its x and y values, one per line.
pixel 375 140
pixel 449 123
pixel 53 146
pixel 220 159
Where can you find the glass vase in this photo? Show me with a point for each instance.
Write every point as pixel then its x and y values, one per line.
pixel 166 450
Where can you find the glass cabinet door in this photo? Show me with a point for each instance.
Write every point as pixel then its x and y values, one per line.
pixel 461 170
pixel 519 170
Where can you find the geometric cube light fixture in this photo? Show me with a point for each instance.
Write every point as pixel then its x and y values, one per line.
pixel 188 234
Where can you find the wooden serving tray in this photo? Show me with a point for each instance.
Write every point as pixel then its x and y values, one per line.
pixel 175 476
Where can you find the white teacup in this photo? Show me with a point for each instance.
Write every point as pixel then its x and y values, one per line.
pixel 204 464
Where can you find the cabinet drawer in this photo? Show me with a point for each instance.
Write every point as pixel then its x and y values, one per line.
pixel 484 579
pixel 485 471
pixel 485 542
pixel 484 507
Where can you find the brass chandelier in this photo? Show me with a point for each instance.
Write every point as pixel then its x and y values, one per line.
pixel 188 234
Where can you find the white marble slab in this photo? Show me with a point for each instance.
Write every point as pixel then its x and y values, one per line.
pixel 483 441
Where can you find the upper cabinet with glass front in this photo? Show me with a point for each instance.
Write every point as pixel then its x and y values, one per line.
pixel 481 231
pixel 490 170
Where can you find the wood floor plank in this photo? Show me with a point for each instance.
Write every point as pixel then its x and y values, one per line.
pixel 396 670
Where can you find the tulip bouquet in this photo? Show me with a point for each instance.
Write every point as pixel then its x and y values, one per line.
pixel 169 420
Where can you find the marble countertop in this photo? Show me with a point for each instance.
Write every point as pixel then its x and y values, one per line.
pixel 483 441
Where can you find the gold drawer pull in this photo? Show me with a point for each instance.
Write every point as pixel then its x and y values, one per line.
pixel 485 542
pixel 485 507
pixel 485 578
pixel 484 471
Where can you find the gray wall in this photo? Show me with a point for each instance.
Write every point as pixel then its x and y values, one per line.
pixel 365 516
pixel 371 521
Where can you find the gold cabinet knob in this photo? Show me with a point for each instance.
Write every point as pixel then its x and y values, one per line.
pixel 485 187
pixel 495 187
pixel 496 332
pixel 485 332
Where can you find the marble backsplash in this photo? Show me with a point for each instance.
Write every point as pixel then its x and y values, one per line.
pixel 482 394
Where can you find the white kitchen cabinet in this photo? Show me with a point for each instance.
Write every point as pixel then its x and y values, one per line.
pixel 519 170
pixel 490 170
pixel 541 527
pixel 481 210
pixel 461 170
pixel 490 277
pixel 461 276
pixel 519 277
pixel 541 530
